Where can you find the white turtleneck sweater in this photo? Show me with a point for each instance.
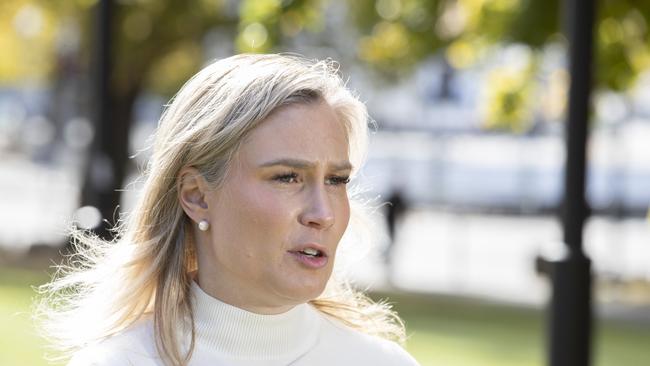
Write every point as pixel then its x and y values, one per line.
pixel 229 336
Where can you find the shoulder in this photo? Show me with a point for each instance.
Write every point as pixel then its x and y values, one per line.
pixel 361 348
pixel 133 346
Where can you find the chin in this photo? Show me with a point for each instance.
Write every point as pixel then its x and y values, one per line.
pixel 316 292
pixel 307 291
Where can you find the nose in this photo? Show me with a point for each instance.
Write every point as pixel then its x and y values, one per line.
pixel 318 212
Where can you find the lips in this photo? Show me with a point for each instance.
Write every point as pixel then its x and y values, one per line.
pixel 311 250
pixel 312 256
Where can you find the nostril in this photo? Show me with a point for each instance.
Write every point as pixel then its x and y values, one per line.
pixel 315 220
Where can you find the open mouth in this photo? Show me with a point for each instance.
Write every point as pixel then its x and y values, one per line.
pixel 311 252
pixel 310 257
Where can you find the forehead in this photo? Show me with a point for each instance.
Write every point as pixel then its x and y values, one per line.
pixel 309 131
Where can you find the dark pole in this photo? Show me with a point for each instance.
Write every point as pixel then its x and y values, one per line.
pixel 570 311
pixel 99 174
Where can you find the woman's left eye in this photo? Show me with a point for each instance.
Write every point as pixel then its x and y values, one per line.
pixel 338 180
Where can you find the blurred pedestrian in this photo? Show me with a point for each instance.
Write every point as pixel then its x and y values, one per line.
pixel 395 208
pixel 227 258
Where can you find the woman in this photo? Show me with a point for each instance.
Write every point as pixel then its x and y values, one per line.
pixel 228 256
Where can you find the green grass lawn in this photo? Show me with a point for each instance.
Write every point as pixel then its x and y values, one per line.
pixel 19 344
pixel 456 332
pixel 443 331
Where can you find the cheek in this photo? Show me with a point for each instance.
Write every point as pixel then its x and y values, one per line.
pixel 258 215
pixel 343 212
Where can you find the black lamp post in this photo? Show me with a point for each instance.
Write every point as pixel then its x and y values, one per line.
pixel 99 177
pixel 570 308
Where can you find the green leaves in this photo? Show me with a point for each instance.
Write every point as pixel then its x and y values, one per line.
pixel 264 24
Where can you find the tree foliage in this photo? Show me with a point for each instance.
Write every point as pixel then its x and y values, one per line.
pixel 27 39
pixel 264 24
pixel 400 33
pixel 158 37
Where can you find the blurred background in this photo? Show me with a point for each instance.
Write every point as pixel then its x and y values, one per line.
pixel 469 99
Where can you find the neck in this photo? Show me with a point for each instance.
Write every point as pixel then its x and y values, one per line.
pixel 239 334
pixel 231 295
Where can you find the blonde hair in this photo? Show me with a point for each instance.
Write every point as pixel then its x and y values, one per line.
pixel 108 286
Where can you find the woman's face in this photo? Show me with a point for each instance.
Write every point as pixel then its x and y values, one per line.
pixel 277 219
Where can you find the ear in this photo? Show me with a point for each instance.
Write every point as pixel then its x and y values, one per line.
pixel 192 188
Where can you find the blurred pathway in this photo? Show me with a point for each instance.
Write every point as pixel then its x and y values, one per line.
pixel 493 257
pixel 36 202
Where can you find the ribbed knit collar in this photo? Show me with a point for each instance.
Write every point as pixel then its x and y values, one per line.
pixel 239 334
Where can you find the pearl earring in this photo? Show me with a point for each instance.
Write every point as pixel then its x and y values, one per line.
pixel 204 225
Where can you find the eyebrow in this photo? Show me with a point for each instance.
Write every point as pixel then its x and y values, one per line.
pixel 304 164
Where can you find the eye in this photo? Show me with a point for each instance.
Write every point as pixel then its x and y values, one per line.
pixel 338 180
pixel 286 178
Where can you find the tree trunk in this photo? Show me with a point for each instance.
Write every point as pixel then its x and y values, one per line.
pixel 108 163
pixel 112 108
